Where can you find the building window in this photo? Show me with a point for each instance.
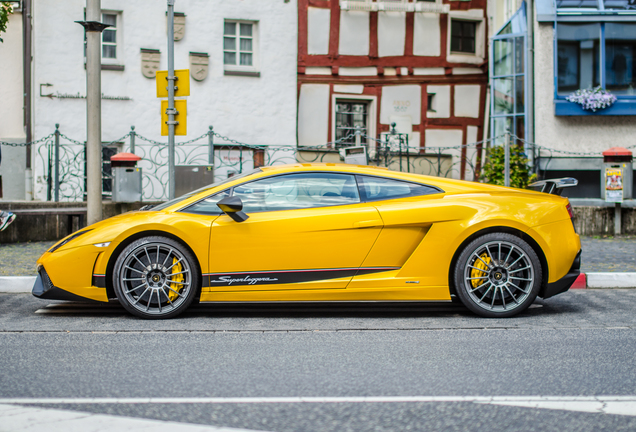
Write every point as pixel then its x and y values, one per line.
pixel 578 57
pixel 109 36
pixel 239 45
pixel 351 116
pixel 581 49
pixel 620 58
pixel 463 36
pixel 508 82
pixel 430 102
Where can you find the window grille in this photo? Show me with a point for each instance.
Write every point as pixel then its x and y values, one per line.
pixel 463 36
pixel 238 43
pixel 109 36
pixel 351 115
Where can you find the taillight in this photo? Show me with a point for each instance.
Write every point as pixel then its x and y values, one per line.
pixel 568 207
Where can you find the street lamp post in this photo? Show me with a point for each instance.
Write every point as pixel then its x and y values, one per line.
pixel 94 28
pixel 171 109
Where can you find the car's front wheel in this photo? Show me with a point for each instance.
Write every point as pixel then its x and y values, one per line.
pixel 498 275
pixel 156 277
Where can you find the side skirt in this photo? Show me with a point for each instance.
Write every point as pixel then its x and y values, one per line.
pixel 429 293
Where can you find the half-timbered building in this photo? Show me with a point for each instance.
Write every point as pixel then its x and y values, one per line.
pixel 366 64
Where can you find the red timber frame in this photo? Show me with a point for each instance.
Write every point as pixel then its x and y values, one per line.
pixel 373 84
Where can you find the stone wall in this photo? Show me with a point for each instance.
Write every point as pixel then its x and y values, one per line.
pixel 54 224
pixel 600 220
pixel 49 221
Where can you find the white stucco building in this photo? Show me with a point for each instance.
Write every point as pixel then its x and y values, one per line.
pixel 247 90
pixel 14 159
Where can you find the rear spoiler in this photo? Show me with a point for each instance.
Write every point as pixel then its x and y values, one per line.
pixel 554 186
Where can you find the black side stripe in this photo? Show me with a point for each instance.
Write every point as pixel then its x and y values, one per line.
pixel 285 276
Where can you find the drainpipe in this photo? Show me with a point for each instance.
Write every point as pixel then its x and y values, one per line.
pixel 26 93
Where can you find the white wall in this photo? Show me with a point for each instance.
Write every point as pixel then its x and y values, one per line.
pixel 467 100
pixel 11 111
pixel 318 22
pixel 11 114
pixel 403 100
pixel 391 33
pixel 426 35
pixel 313 115
pixel 592 133
pixel 354 33
pixel 253 110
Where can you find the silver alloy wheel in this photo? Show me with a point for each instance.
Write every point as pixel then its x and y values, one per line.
pixel 498 276
pixel 155 278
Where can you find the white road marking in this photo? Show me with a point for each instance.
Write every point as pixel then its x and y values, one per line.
pixel 30 419
pixel 620 405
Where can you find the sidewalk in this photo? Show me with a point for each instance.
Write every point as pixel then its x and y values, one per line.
pixel 611 254
pixel 615 255
pixel 18 259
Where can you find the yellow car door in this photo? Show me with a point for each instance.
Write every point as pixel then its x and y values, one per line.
pixel 304 231
pixel 407 219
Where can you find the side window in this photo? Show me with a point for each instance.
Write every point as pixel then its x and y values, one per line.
pixel 298 191
pixel 379 188
pixel 208 205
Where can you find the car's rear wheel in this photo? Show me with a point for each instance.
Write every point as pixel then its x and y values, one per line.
pixel 498 275
pixel 156 277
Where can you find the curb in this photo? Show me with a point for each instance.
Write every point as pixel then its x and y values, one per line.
pixel 611 280
pixel 24 284
pixel 16 284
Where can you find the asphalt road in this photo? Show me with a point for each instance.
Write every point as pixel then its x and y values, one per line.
pixel 582 343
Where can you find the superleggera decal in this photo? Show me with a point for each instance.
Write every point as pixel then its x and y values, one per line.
pixel 286 276
pixel 247 280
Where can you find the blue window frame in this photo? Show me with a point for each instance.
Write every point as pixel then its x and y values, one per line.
pixel 595 45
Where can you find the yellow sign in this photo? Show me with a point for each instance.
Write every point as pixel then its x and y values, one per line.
pixel 182 117
pixel 182 83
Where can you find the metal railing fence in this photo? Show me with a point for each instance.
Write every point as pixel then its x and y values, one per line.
pixel 61 162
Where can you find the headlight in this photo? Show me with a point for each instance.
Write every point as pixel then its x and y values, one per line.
pixel 66 240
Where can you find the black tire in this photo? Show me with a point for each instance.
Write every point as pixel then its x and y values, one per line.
pixel 156 278
pixel 497 275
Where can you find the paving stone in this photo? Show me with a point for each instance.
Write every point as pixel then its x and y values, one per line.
pixel 18 259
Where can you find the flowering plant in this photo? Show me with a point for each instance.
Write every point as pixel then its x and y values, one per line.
pixel 592 99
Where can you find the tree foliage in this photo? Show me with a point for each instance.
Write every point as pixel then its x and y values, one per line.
pixel 5 10
pixel 519 170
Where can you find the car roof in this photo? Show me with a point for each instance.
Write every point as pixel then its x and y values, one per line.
pixel 322 165
pixel 447 185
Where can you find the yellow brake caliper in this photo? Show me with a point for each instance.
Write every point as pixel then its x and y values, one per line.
pixel 176 268
pixel 479 264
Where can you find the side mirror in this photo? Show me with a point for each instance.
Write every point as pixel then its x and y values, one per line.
pixel 233 206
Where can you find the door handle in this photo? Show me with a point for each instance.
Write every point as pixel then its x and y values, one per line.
pixel 367 223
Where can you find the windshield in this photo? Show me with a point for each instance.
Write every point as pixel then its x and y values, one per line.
pixel 172 202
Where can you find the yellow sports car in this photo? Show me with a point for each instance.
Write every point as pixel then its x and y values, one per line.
pixel 324 232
